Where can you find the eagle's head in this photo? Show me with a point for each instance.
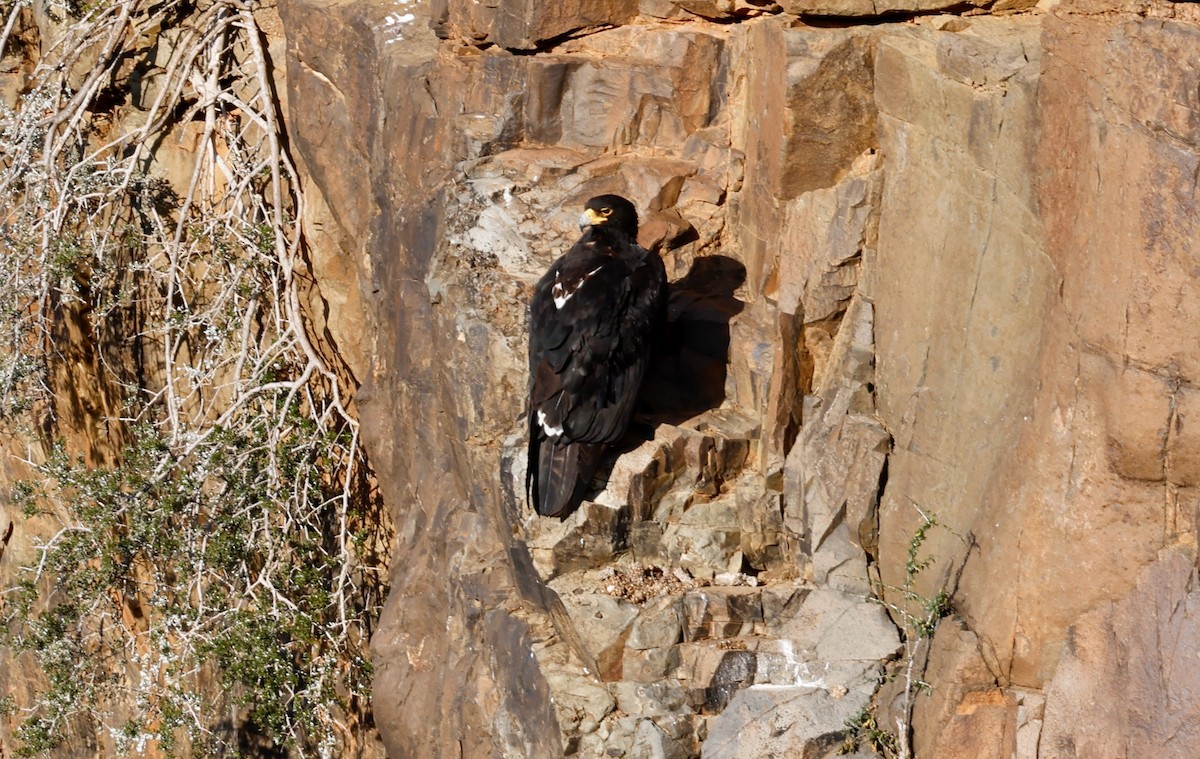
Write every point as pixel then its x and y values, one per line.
pixel 610 212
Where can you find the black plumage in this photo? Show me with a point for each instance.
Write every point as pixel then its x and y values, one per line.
pixel 592 322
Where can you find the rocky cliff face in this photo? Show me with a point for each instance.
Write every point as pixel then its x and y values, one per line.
pixel 917 470
pixel 935 315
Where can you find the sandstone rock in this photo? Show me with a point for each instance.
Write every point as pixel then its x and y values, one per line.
pixel 957 666
pixel 806 233
pixel 712 671
pixel 965 713
pixel 840 627
pixel 336 299
pixel 700 189
pixel 614 738
pixel 640 478
pixel 735 671
pixel 524 24
pixel 705 539
pixel 1144 374
pixel 691 460
pixel 660 9
pixel 722 449
pixel 645 538
pixel 698 662
pixel 780 663
pixel 716 158
pixel 1087 525
pixel 434 683
pixel 602 623
pixel 792 692
pixel 833 471
pixel 651 742
pixel 801 82
pixel 752 346
pixel 725 9
pixel 641 87
pixel 451 174
pixel 665 722
pixel 1117 690
pixel 659 624
pixel 764 541
pixel 654 700
pixel 721 612
pixel 735 579
pixel 882 7
pixel 950 138
pixel 625 87
pixel 579 703
pixel 983 725
pixel 828 78
pixel 1030 708
pixel 789 721
pixel 802 695
pixel 782 601
pixel 19 58
pixel 830 7
pixel 589 537
pixel 651 665
pixel 824 234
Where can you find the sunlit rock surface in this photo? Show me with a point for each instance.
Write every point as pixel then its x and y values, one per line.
pixel 928 265
pixel 933 328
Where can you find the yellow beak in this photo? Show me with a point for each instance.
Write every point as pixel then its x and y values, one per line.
pixel 589 218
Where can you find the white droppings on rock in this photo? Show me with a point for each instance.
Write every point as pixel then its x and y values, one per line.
pixel 393 24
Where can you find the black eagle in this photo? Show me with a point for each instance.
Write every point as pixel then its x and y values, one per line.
pixel 592 323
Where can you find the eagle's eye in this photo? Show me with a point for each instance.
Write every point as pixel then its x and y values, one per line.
pixel 606 211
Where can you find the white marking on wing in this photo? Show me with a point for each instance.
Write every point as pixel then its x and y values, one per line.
pixel 562 294
pixel 551 431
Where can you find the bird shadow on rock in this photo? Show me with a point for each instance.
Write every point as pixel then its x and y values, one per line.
pixel 687 373
pixel 688 368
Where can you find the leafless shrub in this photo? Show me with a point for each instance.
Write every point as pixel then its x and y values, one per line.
pixel 235 532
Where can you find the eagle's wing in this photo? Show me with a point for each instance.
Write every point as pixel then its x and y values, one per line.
pixel 589 351
pixel 592 322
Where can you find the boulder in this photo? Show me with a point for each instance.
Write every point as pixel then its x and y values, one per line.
pixel 780 721
pixel 602 623
pixel 705 539
pixel 721 612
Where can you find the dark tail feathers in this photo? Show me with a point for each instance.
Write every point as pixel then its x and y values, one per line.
pixel 563 474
